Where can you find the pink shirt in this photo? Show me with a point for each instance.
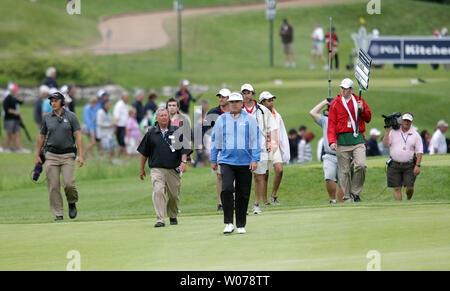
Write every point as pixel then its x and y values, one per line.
pixel 404 145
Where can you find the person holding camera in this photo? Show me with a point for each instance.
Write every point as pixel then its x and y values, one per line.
pixel 61 130
pixel 406 149
pixel 347 117
pixel 167 160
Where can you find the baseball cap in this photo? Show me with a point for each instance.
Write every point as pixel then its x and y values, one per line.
pixel 347 83
pixel 13 87
pixel 55 93
pixel 235 96
pixel 407 116
pixel 185 82
pixel 375 131
pixel 247 87
pixel 224 92
pixel 442 123
pixel 101 93
pixel 265 95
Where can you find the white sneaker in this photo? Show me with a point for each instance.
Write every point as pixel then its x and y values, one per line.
pixel 294 65
pixel 312 67
pixel 241 230
pixel 24 151
pixel 229 228
pixel 325 67
pixel 256 209
pixel 1 150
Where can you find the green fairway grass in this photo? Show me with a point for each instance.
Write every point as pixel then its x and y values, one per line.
pixel 114 228
pixel 407 237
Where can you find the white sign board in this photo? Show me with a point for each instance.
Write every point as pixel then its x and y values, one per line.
pixel 178 6
pixel 271 11
pixel 362 69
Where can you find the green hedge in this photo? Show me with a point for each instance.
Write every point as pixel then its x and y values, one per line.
pixel 70 69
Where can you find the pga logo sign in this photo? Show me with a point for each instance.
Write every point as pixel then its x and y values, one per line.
pixel 73 7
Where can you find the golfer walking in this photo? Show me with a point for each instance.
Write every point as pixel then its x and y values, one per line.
pixel 236 136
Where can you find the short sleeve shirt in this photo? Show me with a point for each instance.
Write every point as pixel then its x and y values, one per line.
pixel 60 130
pixel 403 145
pixel 323 123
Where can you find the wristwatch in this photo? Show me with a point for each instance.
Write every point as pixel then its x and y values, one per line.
pixel 418 166
pixel 184 161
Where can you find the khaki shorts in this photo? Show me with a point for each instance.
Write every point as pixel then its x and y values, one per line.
pixel 400 174
pixel 288 48
pixel 277 157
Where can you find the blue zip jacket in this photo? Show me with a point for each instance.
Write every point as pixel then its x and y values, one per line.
pixel 237 140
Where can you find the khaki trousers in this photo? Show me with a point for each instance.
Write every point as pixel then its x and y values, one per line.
pixel 162 180
pixel 349 184
pixel 55 166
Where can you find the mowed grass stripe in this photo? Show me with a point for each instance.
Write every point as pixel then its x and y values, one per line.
pixel 408 238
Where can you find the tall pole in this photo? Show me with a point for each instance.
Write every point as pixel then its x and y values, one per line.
pixel 271 42
pixel 329 61
pixel 180 63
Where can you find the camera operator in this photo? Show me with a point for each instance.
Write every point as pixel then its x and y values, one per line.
pixel 61 130
pixel 406 149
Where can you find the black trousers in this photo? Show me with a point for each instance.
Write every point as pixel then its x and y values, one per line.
pixel 243 177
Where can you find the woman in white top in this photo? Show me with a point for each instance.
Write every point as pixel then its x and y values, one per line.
pixel 105 129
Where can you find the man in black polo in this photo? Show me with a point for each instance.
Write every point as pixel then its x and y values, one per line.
pixel 62 130
pixel 167 161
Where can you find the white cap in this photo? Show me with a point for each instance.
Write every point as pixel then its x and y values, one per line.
pixel 235 96
pixel 346 83
pixel 442 123
pixel 375 132
pixel 53 91
pixel 185 82
pixel 224 92
pixel 265 95
pixel 407 116
pixel 43 89
pixel 50 71
pixel 101 92
pixel 247 87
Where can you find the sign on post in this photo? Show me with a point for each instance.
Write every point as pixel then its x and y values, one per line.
pixel 271 10
pixel 178 6
pixel 362 69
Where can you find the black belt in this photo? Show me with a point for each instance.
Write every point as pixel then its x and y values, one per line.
pixel 61 151
pixel 406 163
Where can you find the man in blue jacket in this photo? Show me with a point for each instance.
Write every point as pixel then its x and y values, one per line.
pixel 236 137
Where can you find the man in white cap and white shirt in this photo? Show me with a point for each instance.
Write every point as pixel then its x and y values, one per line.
pixel 236 136
pixel 438 143
pixel 279 146
pixel 406 149
pixel 209 122
pixel 267 127
pixel 347 117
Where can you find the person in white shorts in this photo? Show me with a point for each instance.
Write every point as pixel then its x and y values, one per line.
pixel 267 127
pixel 280 151
pixel 330 163
pixel 318 37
